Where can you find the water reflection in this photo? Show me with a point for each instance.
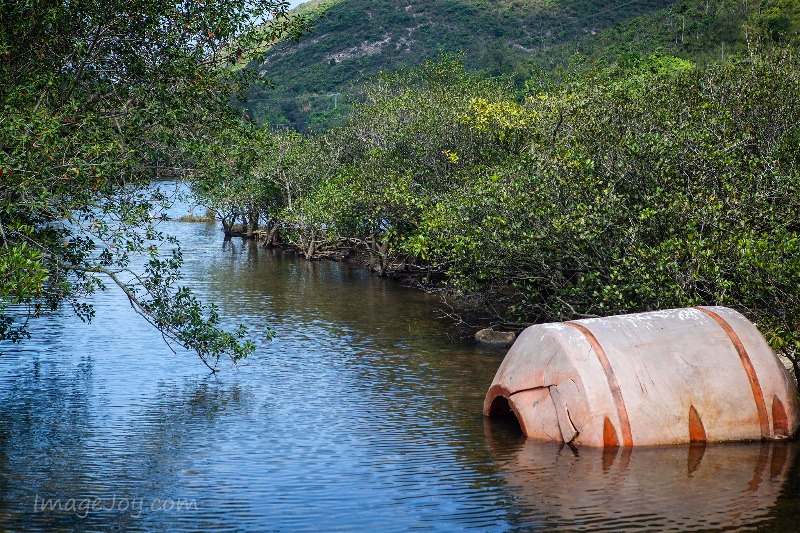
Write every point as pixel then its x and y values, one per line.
pixel 363 414
pixel 702 487
pixel 61 441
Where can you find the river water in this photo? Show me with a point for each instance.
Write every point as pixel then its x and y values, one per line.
pixel 364 413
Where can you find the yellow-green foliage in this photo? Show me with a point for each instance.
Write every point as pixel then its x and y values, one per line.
pixel 485 116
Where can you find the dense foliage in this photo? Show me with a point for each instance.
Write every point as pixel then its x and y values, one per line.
pixel 98 99
pixel 646 186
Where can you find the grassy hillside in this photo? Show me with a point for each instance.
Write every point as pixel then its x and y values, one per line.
pixel 701 31
pixel 363 37
pixel 521 38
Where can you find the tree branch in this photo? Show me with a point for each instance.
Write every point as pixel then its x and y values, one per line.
pixel 137 305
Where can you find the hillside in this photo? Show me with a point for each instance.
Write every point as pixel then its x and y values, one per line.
pixel 522 38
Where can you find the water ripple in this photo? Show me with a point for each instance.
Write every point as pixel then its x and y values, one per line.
pixel 362 414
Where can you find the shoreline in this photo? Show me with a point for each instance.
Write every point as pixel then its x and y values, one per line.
pixel 400 273
pixel 473 321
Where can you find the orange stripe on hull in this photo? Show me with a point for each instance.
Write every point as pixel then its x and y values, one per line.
pixel 616 393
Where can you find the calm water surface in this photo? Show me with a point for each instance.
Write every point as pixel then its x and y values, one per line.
pixel 363 413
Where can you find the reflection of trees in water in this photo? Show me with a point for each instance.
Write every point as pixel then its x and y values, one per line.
pixel 169 434
pixel 785 514
pixel 44 413
pixel 339 293
pixel 382 340
pixel 680 487
pixel 56 444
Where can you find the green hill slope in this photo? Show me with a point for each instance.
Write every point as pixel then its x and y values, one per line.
pixel 514 37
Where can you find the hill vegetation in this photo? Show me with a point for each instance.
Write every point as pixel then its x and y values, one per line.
pixel 363 37
pixel 531 41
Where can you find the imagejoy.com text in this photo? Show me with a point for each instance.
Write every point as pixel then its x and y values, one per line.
pixel 135 507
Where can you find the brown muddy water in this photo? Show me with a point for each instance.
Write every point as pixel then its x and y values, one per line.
pixel 364 413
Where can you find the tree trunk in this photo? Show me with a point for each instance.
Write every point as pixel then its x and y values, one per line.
pixel 252 227
pixel 379 256
pixel 311 246
pixel 228 223
pixel 272 233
